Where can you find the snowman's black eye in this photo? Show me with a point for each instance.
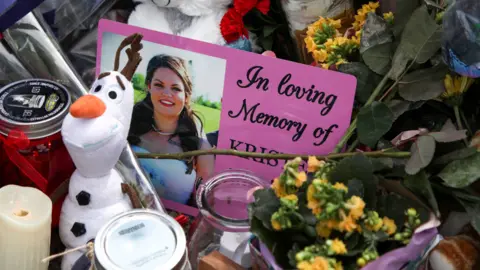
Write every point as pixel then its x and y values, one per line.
pixel 98 88
pixel 112 94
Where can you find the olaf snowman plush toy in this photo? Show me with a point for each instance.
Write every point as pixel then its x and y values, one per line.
pixel 212 21
pixel 95 134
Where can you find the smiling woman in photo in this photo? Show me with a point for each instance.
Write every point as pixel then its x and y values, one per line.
pixel 165 123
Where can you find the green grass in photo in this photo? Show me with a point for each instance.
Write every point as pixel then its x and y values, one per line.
pixel 210 117
pixel 139 95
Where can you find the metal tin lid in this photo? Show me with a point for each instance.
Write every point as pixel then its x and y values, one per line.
pixel 140 239
pixel 34 106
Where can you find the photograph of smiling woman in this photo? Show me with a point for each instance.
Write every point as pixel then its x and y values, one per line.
pixel 164 122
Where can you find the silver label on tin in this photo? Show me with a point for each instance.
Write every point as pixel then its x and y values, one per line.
pixel 32 101
pixel 140 244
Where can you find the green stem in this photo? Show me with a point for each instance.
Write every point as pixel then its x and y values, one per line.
pixel 231 152
pixel 353 145
pixel 465 121
pixel 353 125
pixel 457 117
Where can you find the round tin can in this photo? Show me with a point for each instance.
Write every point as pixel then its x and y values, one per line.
pixel 141 239
pixel 37 107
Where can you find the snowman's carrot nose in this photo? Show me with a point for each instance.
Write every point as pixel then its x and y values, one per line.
pixel 88 106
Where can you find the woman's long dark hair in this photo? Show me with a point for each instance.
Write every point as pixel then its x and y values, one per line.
pixel 142 118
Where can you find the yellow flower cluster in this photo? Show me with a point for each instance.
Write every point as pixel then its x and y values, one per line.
pixel 362 13
pixel 290 180
pixel 326 44
pixel 320 263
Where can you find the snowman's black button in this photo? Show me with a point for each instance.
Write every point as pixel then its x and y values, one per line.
pixel 83 198
pixel 78 229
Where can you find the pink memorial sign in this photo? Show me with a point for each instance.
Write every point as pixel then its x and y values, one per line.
pixel 268 105
pixel 275 106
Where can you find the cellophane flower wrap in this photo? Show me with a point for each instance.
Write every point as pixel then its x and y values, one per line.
pixel 308 220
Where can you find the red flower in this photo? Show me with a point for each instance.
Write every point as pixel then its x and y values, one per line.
pixel 244 6
pixel 232 27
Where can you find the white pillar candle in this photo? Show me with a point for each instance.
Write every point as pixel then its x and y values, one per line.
pixel 25 224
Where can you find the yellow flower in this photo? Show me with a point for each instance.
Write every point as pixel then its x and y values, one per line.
pixel 320 263
pixel 291 197
pixel 374 5
pixel 335 23
pixel 375 227
pixel 388 16
pixel 356 206
pixel 340 40
pixel 276 225
pixel 340 186
pixel 312 203
pixel 338 265
pixel 320 55
pixel 323 230
pixel 325 66
pixel 456 86
pixel 339 62
pixel 348 224
pixel 311 30
pixel 310 44
pixel 301 178
pixel 278 188
pixel 390 225
pixel 338 247
pixel 314 164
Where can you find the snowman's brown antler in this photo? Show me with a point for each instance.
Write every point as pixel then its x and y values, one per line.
pixel 134 57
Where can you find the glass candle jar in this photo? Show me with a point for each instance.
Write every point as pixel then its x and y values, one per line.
pixel 223 202
pixel 31 148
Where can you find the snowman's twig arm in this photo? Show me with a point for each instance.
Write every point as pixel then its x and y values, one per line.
pixel 132 194
pixel 231 152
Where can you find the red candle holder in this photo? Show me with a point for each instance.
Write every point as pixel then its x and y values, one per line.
pixel 32 152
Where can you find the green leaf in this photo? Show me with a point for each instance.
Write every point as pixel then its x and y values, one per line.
pixel 366 79
pixel 376 44
pixel 461 173
pixel 423 84
pixel 356 167
pixel 354 245
pixel 422 151
pixel 455 155
pixel 420 41
pixel 380 164
pixel 373 122
pixel 420 186
pixel 473 210
pixel 399 107
pixel 270 239
pixel 373 237
pixel 379 58
pixel 355 188
pixel 403 10
pixel 265 204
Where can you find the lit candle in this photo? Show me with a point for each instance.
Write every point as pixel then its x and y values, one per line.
pixel 25 220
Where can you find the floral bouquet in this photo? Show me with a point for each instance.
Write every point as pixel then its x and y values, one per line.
pixel 311 220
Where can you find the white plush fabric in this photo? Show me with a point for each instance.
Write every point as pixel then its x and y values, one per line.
pixel 95 145
pixel 194 20
pixel 104 191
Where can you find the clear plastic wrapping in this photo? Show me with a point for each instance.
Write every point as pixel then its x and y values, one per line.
pixel 66 16
pixel 461 37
